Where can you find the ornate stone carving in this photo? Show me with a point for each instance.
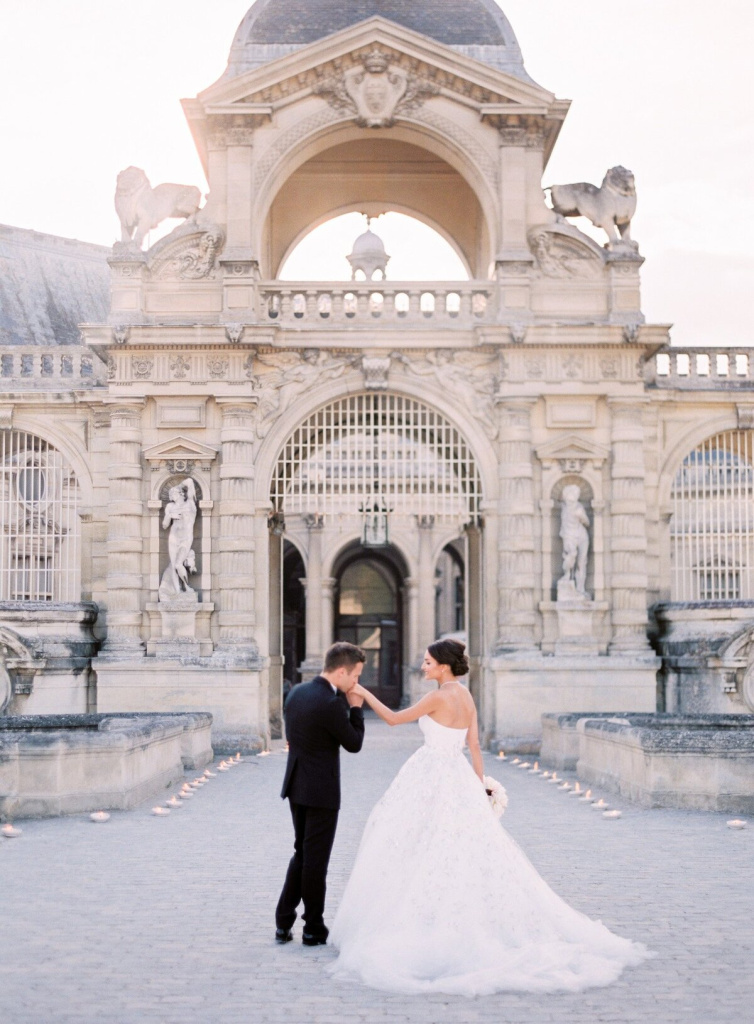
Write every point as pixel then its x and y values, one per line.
pixel 375 372
pixel 217 367
pixel 609 367
pixel 112 369
pixel 141 207
pixel 574 532
pixel 376 91
pixel 535 367
pixel 631 332
pixel 561 255
pixel 532 136
pixel 179 518
pixel 180 367
pixel 189 254
pixel 121 334
pixel 234 333
pixel 289 375
pixel 463 378
pixel 573 366
pixel 518 333
pixel 610 206
pixel 141 367
pixel 248 367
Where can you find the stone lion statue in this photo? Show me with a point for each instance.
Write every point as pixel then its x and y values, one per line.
pixel 141 207
pixel 610 206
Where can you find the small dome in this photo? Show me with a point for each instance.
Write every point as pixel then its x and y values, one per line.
pixel 274 28
pixel 368 255
pixel 368 244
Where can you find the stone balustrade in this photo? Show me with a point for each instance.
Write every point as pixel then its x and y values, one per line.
pixel 375 304
pixel 27 367
pixel 701 369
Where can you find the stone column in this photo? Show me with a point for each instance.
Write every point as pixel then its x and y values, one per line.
pixel 314 651
pixel 125 582
pixel 474 606
pixel 628 528
pixel 276 634
pixel 516 577
pixel 236 530
pixel 425 587
pixel 328 590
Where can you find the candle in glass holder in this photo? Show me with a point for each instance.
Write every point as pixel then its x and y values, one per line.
pixel 99 816
pixel 576 791
pixel 160 812
pixel 736 823
pixel 500 756
pixel 10 832
pixel 536 769
pixel 554 778
pixel 516 760
pixel 525 764
pixel 600 805
pixel 564 786
pixel 611 814
pixel 587 797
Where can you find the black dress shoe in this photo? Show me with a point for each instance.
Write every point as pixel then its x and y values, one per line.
pixel 283 935
pixel 314 940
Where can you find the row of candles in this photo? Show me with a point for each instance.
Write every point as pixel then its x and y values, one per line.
pixel 186 792
pixel 584 797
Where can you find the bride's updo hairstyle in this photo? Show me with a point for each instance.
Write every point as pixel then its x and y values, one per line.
pixel 450 653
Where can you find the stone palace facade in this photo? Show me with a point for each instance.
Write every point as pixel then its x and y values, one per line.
pixel 209 473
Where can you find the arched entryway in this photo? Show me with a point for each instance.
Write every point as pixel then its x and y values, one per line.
pixel 368 612
pixel 378 495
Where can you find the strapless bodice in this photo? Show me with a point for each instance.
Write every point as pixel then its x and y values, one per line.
pixel 442 737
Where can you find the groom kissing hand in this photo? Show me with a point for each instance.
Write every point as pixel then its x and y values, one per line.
pixel 318 722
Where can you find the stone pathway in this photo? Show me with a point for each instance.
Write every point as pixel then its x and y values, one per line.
pixel 149 920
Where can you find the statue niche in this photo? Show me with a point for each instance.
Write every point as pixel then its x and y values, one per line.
pixel 572 532
pixel 182 532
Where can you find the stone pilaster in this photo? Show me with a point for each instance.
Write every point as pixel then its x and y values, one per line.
pixel 628 528
pixel 236 542
pixel 312 664
pixel 124 580
pixel 516 576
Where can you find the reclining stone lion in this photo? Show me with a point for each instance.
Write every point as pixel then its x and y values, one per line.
pixel 610 206
pixel 141 207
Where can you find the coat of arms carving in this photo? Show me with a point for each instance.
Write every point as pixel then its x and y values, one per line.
pixel 375 91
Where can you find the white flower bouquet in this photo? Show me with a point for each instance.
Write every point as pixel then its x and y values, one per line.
pixel 498 796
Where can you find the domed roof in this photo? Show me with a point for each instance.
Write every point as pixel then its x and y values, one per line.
pixel 368 244
pixel 273 28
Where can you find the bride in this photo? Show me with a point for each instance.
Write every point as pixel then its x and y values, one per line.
pixel 441 898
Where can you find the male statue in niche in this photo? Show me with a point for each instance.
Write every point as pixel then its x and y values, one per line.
pixel 179 518
pixel 574 532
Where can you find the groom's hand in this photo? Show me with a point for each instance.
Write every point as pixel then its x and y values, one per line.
pixel 354 699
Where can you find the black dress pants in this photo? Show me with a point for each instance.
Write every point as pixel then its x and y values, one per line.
pixel 306 879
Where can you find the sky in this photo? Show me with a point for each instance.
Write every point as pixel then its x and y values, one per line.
pixel 665 87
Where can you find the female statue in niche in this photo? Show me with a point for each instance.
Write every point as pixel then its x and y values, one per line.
pixel 179 518
pixel 574 532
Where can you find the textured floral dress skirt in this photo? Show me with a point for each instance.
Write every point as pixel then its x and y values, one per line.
pixel 442 899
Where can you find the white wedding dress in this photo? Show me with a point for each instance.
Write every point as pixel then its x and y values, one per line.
pixel 441 899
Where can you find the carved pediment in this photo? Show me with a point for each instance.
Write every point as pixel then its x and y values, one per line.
pixel 180 451
pixel 562 251
pixel 572 449
pixel 375 71
pixel 189 253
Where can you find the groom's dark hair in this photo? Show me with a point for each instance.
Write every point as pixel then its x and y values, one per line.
pixel 342 655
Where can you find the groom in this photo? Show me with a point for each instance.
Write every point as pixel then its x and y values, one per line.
pixel 319 720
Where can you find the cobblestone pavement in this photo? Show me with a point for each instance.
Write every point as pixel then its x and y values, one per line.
pixel 148 920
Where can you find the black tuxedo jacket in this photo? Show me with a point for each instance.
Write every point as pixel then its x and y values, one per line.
pixel 318 723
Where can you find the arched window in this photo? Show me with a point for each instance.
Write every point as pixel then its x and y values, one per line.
pixel 377 451
pixel 39 523
pixel 712 524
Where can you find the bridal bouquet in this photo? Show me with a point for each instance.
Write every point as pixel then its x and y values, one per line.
pixel 496 793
